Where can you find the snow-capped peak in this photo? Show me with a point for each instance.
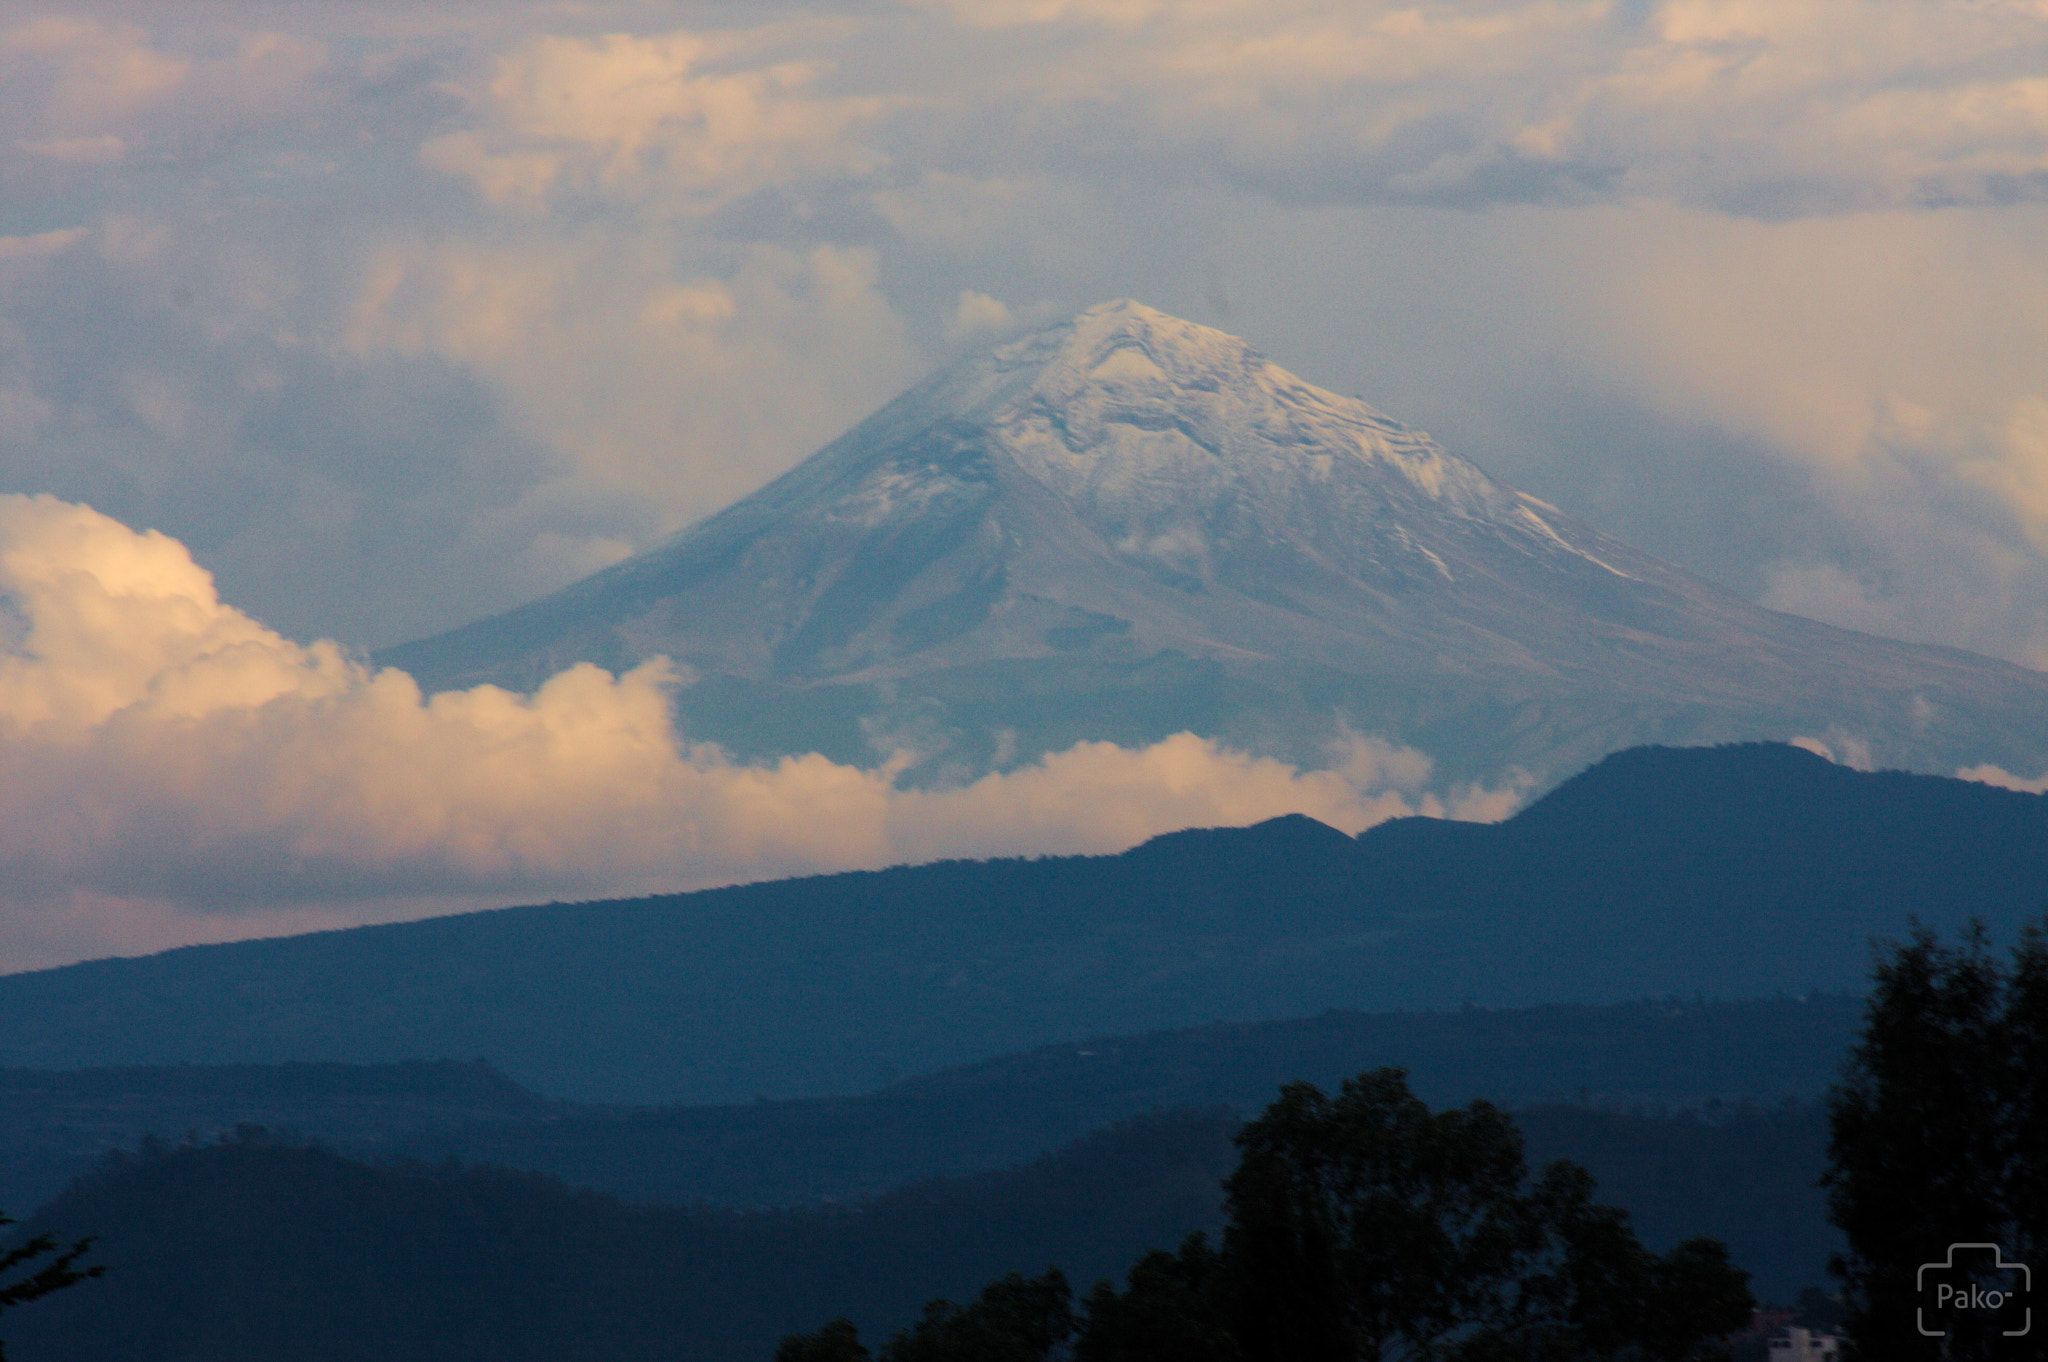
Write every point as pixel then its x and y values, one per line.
pixel 1121 389
pixel 1154 427
pixel 1125 525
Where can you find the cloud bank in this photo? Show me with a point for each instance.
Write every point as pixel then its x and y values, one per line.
pixel 400 318
pixel 171 768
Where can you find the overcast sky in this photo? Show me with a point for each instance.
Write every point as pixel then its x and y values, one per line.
pixel 398 314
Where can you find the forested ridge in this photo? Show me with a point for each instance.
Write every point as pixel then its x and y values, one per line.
pixel 1671 1054
pixel 259 1248
pixel 250 1249
pixel 1733 872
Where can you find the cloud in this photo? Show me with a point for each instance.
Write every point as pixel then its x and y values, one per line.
pixel 683 390
pixel 684 119
pixel 29 247
pixel 85 72
pixel 1833 415
pixel 1987 774
pixel 400 317
pixel 977 314
pixel 85 92
pixel 1890 360
pixel 1757 109
pixel 648 265
pixel 102 150
pixel 1843 749
pixel 159 746
pixel 173 382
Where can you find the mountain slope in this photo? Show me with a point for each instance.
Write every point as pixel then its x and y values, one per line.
pixel 1126 525
pixel 1737 872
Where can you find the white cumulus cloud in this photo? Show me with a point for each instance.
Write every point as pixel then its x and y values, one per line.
pixel 160 747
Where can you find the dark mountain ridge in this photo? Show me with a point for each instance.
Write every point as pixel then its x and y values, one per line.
pixel 1731 872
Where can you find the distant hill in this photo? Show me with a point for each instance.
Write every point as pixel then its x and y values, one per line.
pixel 253 1252
pixel 1009 1110
pixel 263 1253
pixel 1735 872
pixel 1640 1056
pixel 54 1125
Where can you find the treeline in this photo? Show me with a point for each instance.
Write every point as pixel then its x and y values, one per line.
pixel 1361 1226
pixel 258 1250
pixel 1742 1173
pixel 255 1248
pixel 55 1124
pixel 1356 1225
pixel 1938 1155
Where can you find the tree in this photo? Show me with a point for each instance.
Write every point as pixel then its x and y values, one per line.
pixel 1363 1227
pixel 838 1341
pixel 1014 1319
pixel 58 1273
pixel 2026 1073
pixel 1938 1136
pixel 1175 1307
pixel 1596 1293
pixel 1366 1228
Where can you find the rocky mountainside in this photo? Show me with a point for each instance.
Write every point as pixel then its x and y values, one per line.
pixel 1126 525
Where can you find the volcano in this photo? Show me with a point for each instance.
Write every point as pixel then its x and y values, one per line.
pixel 1127 525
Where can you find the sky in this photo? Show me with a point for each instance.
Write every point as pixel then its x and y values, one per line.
pixel 326 325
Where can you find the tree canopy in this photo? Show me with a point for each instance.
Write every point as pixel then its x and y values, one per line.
pixel 1363 1227
pixel 1939 1142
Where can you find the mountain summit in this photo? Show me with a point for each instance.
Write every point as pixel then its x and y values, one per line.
pixel 1127 524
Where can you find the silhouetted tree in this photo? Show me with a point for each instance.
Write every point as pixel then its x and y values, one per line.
pixel 1363 1227
pixel 2026 1074
pixel 1015 1319
pixel 1175 1307
pixel 1939 1137
pixel 838 1341
pixel 1596 1293
pixel 60 1271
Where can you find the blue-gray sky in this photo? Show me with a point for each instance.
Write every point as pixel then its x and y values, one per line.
pixel 400 314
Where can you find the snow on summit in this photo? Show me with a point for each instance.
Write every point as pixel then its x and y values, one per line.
pixel 1125 525
pixel 1165 433
pixel 1098 384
